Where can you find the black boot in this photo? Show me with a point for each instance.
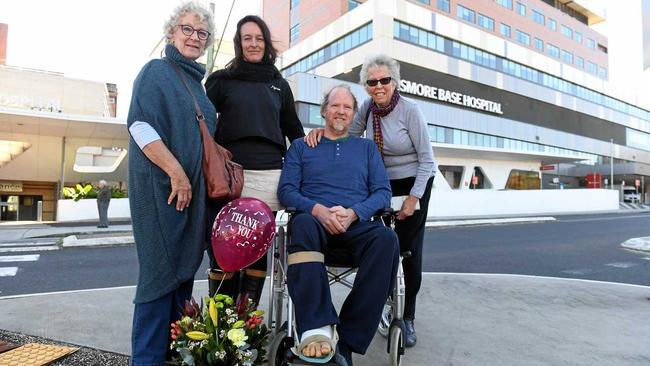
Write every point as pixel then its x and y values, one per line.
pixel 253 284
pixel 410 339
pixel 229 283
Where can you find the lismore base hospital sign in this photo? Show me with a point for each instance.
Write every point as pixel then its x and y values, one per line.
pixel 448 96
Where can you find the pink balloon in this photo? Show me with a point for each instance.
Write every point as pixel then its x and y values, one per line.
pixel 242 233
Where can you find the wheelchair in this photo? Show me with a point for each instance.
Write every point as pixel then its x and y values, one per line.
pixel 280 310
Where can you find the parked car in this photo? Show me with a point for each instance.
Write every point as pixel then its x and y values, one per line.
pixel 631 195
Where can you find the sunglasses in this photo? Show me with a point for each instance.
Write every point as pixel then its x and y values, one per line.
pixel 383 81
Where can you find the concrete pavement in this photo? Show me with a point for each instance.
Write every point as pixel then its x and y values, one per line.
pixel 462 319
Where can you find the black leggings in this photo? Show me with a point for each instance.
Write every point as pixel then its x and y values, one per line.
pixel 410 232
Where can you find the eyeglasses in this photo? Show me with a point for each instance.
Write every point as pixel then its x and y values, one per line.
pixel 383 81
pixel 188 31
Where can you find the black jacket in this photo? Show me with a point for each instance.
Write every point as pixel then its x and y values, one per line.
pixel 255 117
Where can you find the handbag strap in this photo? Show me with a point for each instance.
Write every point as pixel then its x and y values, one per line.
pixel 197 109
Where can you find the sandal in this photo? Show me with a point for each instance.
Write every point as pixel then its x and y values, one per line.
pixel 318 338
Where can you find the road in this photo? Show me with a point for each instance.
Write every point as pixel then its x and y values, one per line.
pixel 585 247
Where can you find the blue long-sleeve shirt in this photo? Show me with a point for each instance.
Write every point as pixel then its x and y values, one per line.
pixel 346 172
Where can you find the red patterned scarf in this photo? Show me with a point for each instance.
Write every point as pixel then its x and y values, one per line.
pixel 377 113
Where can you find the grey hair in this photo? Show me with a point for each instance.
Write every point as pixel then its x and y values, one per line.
pixel 190 7
pixel 377 61
pixel 102 183
pixel 326 99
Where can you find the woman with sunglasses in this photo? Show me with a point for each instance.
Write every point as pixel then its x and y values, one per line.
pixel 256 115
pixel 400 131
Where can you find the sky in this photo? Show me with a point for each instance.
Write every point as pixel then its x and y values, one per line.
pixel 106 41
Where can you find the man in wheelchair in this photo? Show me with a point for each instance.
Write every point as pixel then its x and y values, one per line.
pixel 336 188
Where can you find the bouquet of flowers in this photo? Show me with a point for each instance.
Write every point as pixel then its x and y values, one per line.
pixel 220 332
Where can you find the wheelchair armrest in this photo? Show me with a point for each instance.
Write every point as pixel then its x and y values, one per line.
pixel 386 212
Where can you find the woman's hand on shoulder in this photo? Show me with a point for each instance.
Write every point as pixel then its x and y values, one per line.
pixel 181 189
pixel 313 137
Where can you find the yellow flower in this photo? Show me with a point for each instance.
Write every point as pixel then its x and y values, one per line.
pixel 212 309
pixel 237 337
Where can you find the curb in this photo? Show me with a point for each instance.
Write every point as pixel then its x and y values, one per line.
pixel 489 221
pixel 71 241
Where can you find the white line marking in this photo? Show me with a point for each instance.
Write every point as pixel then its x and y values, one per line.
pixel 27 249
pixel 19 258
pixel 75 291
pixel 531 276
pixel 621 264
pixel 8 271
pixel 28 243
pixel 489 221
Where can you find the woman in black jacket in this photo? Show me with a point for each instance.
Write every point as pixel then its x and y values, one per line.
pixel 256 115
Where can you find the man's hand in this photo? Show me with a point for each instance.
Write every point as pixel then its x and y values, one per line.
pixel 313 137
pixel 328 219
pixel 345 216
pixel 408 207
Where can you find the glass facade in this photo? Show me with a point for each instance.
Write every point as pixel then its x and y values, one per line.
pixel 344 44
pixel 410 34
pixel 447 135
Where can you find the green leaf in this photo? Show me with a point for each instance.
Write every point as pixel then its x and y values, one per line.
pixel 187 356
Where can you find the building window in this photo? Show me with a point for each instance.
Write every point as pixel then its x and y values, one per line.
pixel 577 36
pixel 523 38
pixel 539 45
pixel 426 2
pixel 315 119
pixel 567 56
pixel 444 5
pixel 465 14
pixel 552 50
pixel 566 31
pixel 521 9
pixel 447 46
pixel 592 68
pixel 552 24
pixel 505 3
pixel 453 175
pixel 539 17
pixel 294 4
pixel 602 48
pixel 591 43
pixel 352 4
pixel 523 179
pixel 602 73
pixel 580 62
pixel 486 22
pixel 505 30
pixel 342 45
pixel 294 33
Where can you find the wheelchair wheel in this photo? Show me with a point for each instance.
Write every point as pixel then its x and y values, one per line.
pixel 279 348
pixel 395 346
pixel 386 320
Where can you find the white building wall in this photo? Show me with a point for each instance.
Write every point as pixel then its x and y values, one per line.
pixel 41 162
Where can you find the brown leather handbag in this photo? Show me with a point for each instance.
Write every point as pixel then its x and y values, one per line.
pixel 224 178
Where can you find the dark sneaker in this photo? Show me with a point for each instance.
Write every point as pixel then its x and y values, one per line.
pixel 410 338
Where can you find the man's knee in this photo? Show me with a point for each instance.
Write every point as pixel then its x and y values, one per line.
pixel 386 241
pixel 305 236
